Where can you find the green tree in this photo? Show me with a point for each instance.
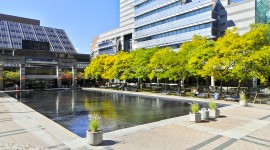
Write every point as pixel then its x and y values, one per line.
pixel 199 57
pixel 108 70
pixel 122 66
pixel 252 56
pixel 141 59
pixel 95 68
pixel 191 51
pixel 221 63
pixel 162 63
pixel 11 76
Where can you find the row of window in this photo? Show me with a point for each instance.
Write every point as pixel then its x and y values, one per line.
pixel 157 10
pixel 144 3
pixel 108 50
pixel 179 31
pixel 104 44
pixel 189 14
pixel 40 71
pixel 3 35
pixel 5 42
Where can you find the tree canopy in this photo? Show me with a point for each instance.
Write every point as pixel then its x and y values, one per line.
pixel 231 56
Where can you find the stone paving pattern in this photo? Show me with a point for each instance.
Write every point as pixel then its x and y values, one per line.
pixel 237 128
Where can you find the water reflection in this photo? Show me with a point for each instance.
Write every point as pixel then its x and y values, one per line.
pixel 70 108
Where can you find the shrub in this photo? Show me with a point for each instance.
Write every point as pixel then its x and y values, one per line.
pixel 194 108
pixel 212 105
pixel 94 122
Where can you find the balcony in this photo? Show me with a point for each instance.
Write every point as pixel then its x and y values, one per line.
pixel 173 12
pixel 178 24
pixel 174 39
pixel 152 6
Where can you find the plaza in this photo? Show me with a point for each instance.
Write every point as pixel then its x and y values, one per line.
pixel 140 79
pixel 237 128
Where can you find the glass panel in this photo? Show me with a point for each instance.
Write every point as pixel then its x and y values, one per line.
pixel 262 11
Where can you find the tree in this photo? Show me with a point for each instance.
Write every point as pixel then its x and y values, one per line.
pixel 141 59
pixel 81 75
pixel 223 58
pixel 95 68
pixel 122 66
pixel 199 57
pixel 252 56
pixel 66 75
pixel 11 76
pixel 191 50
pixel 108 70
pixel 162 62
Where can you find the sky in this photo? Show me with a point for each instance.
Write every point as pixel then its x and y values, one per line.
pixel 81 19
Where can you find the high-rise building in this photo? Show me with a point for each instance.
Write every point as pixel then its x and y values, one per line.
pixel 39 53
pixel 172 22
pixel 120 38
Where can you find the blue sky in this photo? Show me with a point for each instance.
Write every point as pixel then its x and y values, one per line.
pixel 81 19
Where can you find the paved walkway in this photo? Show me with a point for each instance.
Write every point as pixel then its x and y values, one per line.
pixel 237 128
pixel 22 127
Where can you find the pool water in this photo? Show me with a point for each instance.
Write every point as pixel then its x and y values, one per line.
pixel 70 108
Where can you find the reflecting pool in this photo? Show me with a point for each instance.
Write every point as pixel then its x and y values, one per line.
pixel 70 108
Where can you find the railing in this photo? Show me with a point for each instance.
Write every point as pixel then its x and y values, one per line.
pixel 173 12
pixel 182 23
pixel 174 39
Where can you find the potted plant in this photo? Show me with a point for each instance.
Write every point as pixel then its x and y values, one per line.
pixel 243 100
pixel 94 135
pixel 194 115
pixel 213 111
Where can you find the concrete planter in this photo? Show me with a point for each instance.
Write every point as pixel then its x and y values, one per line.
pixel 214 113
pixel 204 114
pixel 195 117
pixel 94 138
pixel 243 103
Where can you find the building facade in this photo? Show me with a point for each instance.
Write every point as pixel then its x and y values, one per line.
pixel 39 53
pixel 119 38
pixel 172 22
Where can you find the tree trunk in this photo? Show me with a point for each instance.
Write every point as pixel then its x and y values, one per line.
pixel 138 84
pixel 179 86
pixel 238 88
pixel 197 83
pixel 248 90
pixel 207 87
pixel 220 88
pixel 184 90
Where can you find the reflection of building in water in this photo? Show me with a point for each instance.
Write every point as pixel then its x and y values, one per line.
pixel 58 100
pixel 73 99
pixel 158 103
pixel 138 98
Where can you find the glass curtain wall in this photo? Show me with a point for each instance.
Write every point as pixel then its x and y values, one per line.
pixel 262 11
